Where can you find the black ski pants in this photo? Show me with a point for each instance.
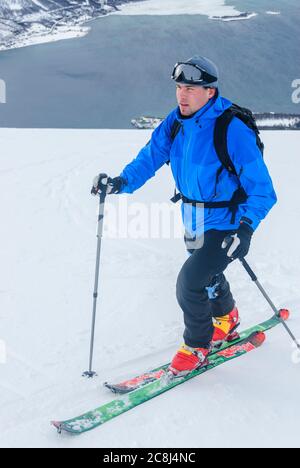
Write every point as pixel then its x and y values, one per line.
pixel 202 289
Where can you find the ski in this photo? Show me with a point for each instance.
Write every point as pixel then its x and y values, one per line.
pixel 120 405
pixel 155 374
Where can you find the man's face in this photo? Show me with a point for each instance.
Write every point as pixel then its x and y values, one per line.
pixel 192 98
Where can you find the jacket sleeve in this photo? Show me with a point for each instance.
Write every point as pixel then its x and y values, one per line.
pixel 151 158
pixel 253 173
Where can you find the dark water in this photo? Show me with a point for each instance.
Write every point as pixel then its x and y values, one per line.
pixel 121 70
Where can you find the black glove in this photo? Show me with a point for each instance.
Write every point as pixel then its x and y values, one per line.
pixel 238 244
pixel 104 184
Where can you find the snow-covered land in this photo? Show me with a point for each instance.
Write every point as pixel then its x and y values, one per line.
pixel 27 22
pixel 275 121
pixel 242 16
pixel 179 7
pixel 47 255
pixel 264 120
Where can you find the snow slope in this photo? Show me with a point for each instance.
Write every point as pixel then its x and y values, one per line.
pixel 47 255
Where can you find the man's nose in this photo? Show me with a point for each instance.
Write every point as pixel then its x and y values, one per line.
pixel 182 91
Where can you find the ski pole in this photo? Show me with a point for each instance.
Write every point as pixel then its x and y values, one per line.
pixel 102 196
pixel 277 312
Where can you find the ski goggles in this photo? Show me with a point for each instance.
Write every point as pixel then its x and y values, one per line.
pixel 192 74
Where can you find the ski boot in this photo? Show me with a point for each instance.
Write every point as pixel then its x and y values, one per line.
pixel 187 360
pixel 225 329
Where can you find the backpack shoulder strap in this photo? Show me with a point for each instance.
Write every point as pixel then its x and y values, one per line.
pixel 220 140
pixel 175 129
pixel 221 129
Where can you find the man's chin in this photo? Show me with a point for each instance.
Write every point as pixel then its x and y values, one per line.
pixel 185 111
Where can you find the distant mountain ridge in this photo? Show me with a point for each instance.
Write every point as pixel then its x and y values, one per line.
pixel 25 22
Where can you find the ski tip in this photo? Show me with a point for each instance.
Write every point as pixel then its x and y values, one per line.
pixel 109 386
pixel 57 425
pixel 284 314
pixel 118 389
pixel 258 339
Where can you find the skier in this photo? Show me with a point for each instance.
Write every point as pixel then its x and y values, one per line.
pixel 232 202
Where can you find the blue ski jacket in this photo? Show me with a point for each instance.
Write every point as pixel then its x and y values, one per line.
pixel 194 165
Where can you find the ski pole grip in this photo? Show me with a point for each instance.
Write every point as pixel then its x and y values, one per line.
pixel 248 269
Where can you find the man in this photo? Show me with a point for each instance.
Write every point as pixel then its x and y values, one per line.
pixel 225 229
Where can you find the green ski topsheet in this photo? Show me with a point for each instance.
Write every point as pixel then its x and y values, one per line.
pixel 108 411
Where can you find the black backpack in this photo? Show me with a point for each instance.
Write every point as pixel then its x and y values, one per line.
pixel 220 143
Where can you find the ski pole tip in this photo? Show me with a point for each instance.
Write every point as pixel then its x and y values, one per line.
pixel 89 374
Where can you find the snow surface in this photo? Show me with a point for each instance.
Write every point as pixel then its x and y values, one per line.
pixel 178 7
pixel 39 4
pixel 39 36
pixel 47 255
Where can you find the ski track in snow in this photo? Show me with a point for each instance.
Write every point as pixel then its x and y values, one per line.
pixel 48 247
